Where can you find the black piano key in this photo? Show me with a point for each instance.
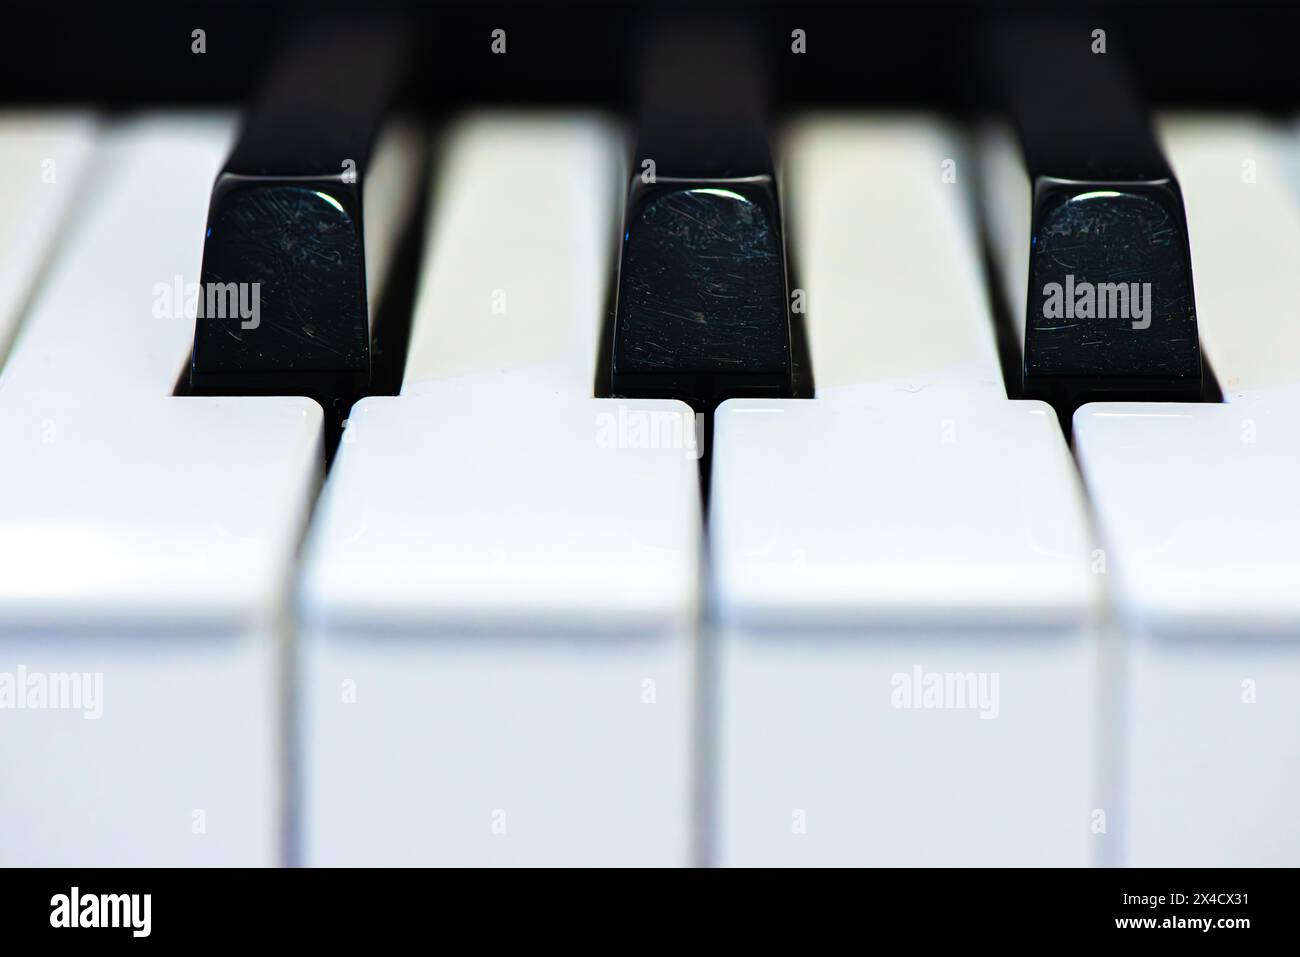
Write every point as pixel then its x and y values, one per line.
pixel 1110 313
pixel 702 309
pixel 284 306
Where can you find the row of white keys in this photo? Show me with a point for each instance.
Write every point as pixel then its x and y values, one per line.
pixel 900 565
pixel 148 542
pixel 500 588
pixel 1197 510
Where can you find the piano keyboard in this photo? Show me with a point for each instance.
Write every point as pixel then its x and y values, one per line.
pixel 908 620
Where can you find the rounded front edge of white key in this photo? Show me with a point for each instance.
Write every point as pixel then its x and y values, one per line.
pixel 887 512
pixel 152 515
pixel 467 510
pixel 1195 507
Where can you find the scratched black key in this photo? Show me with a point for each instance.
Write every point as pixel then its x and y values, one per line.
pixel 702 310
pixel 290 273
pixel 1110 311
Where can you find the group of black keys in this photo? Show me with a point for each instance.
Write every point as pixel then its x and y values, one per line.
pixel 701 310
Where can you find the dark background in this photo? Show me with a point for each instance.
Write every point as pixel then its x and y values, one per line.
pixel 872 52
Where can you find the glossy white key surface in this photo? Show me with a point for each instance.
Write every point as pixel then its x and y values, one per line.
pixel 527 524
pixel 1197 500
pixel 150 540
pixel 1196 509
pixel 500 585
pixel 907 531
pixel 936 513
pixel 42 161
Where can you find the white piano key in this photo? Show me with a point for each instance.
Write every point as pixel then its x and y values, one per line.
pixel 42 158
pixel 514 272
pixel 149 542
pixel 912 527
pixel 397 168
pixel 1196 508
pixel 1007 203
pixel 502 576
pixel 121 330
pixel 895 297
pixel 1242 171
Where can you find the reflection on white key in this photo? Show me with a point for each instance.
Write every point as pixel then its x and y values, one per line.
pixel 42 158
pixel 1196 506
pixel 904 671
pixel 148 541
pixel 500 585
